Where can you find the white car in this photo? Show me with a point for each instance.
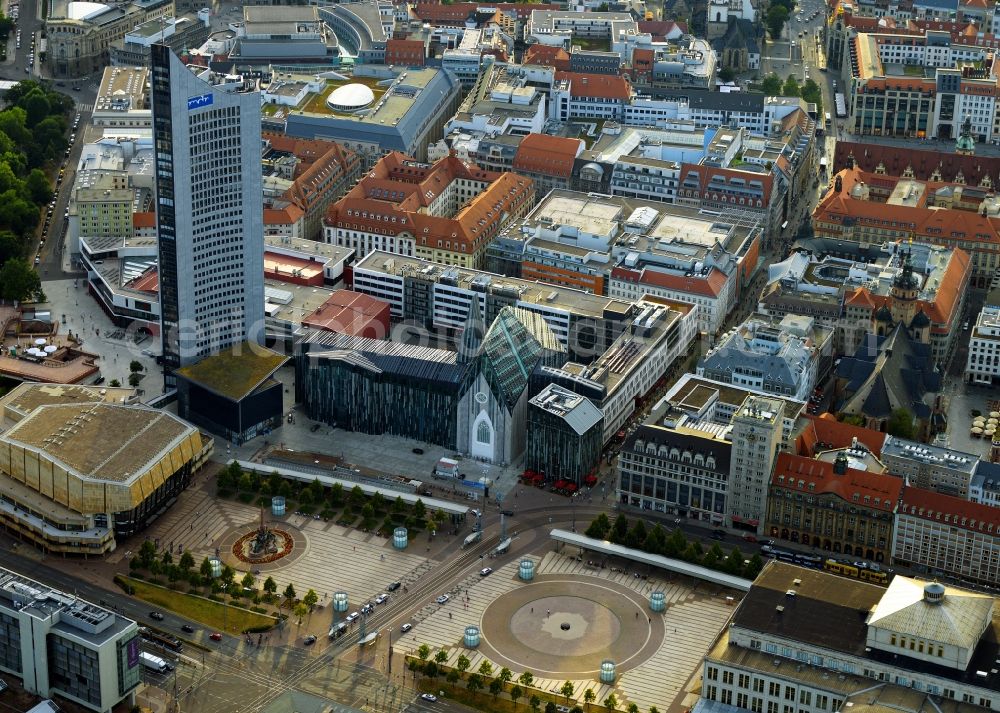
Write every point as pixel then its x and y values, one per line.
pixel 485 571
pixel 381 598
pixel 405 627
pixel 429 697
pixel 443 599
pixel 352 616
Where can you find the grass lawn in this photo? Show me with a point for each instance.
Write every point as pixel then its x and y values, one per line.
pixel 199 609
pixel 595 44
pixel 911 70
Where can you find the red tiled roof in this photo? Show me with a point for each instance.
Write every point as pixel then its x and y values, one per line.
pixel 947 509
pixel 431 11
pixel 923 162
pixel 288 215
pixel 837 434
pixel 546 56
pixel 600 86
pixel 144 219
pixel 349 312
pixel 549 155
pixel 393 197
pixel 709 286
pixel 817 477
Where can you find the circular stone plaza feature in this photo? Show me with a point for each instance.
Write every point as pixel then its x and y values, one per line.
pixel 559 627
pixel 350 97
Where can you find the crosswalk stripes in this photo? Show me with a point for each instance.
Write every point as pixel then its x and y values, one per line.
pixel 84 107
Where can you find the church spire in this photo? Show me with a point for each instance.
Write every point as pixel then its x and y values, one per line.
pixel 472 333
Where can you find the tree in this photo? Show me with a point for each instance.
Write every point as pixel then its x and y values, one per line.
pixel 423 652
pixel 692 553
pixel 567 690
pixel 228 574
pixel 300 611
pixel 611 703
pixel 813 94
pixel 619 530
pixel 441 656
pixel 636 536
pixel 900 423
pixel 463 663
pixel 289 594
pixel 206 569
pixel 475 683
pixel 38 186
pixel 754 566
pixel 419 510
pixel 431 669
pixel 114 384
pixel 589 697
pixel 453 677
pixel 632 708
pixel 791 87
pixel 727 74
pixel 167 558
pixel 654 709
pixel 734 563
pixel 134 380
pixel 550 707
pixel 526 679
pixel 357 496
pixel 496 686
pixel 18 280
pixel 515 693
pixel 147 552
pixel 248 581
pixel 310 599
pixel 187 561
pixel 599 528
pixel 270 586
pixel 777 16
pixel 398 506
pixel 535 702
pixel 486 669
pixel 771 85
pixel 135 366
pixel 505 675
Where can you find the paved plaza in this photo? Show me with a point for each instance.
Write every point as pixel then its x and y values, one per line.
pixel 328 558
pixel 608 616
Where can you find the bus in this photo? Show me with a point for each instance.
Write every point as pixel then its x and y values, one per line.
pixel 840 105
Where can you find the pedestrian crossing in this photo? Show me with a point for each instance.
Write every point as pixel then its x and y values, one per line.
pixel 84 107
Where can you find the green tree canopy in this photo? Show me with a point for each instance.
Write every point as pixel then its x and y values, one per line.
pixel 791 87
pixel 18 281
pixel 900 423
pixel 777 16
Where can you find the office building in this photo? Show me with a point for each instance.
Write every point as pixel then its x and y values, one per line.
pixel 930 467
pixel 565 435
pixel 756 439
pixel 836 506
pixel 948 536
pixel 208 212
pixel 59 644
pixel 770 356
pixel 82 466
pixel 982 365
pixel 817 642
pixel 439 297
pixel 179 33
pixel 985 486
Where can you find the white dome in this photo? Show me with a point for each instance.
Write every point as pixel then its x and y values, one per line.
pixel 350 97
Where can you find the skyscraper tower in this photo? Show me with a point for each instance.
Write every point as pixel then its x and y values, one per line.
pixel 756 438
pixel 209 213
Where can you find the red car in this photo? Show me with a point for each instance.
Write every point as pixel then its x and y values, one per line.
pixel 215 636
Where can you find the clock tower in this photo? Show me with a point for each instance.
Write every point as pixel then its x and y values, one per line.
pixel 757 437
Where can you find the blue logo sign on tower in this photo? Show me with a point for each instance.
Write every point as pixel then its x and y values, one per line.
pixel 200 101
